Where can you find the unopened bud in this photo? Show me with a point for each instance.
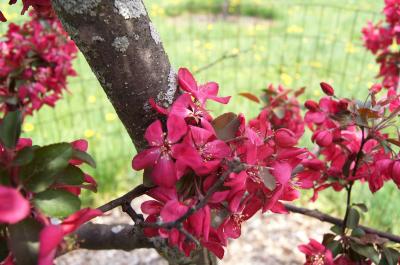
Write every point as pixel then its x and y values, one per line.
pixel 328 89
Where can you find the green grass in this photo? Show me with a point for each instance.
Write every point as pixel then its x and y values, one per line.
pixel 217 7
pixel 301 44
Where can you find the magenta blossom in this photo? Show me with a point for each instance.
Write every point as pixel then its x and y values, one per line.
pixel 316 253
pixel 201 150
pixel 159 155
pixel 200 92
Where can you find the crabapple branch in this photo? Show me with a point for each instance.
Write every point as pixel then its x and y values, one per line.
pixel 336 221
pixel 128 197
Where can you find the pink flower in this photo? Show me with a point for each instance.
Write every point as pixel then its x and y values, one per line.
pixel 316 253
pixel 284 190
pixel 285 138
pixel 13 206
pixel 202 92
pixel 185 111
pixel 159 154
pixel 169 208
pixel 201 150
pixel 322 138
pixel 52 235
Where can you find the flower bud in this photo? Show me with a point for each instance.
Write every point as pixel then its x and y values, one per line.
pixel 343 104
pixel 285 138
pixel 375 88
pixel 311 105
pixel 323 138
pixel 328 89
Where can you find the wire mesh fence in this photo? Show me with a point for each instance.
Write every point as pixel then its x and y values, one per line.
pixel 243 46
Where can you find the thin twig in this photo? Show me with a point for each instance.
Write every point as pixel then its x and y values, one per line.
pixel 128 197
pixel 225 56
pixel 136 218
pixel 336 221
pixel 188 235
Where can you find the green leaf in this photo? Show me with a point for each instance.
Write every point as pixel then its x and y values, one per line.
pixel 84 157
pixel 328 238
pixel 24 241
pixel 24 156
pixel 361 206
pixel 336 229
pixel 226 126
pixel 269 180
pixel 391 255
pixel 10 129
pixel 72 175
pixel 5 176
pixel 3 247
pixel 335 247
pixel 367 251
pixel 353 218
pixel 357 232
pixel 57 203
pixel 48 162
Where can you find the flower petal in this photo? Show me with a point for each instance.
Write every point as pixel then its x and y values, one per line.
pixel 146 158
pixel 154 134
pixel 50 237
pixel 176 128
pixel 77 219
pixel 164 172
pixel 13 206
pixel 151 207
pixel 215 248
pixel 186 80
pixel 173 210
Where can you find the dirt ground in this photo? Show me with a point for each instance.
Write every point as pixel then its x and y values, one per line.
pixel 266 239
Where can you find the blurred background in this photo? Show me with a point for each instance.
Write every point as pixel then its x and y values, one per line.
pixel 244 45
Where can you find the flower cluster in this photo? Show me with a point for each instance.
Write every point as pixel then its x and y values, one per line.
pixel 283 109
pixel 230 168
pixel 351 143
pixel 36 59
pixel 378 38
pixel 42 7
pixel 354 143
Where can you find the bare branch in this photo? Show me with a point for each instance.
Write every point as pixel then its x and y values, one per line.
pixel 336 221
pixel 225 56
pixel 118 236
pixel 128 197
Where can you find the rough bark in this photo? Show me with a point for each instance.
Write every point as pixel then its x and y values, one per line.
pixel 118 236
pixel 125 52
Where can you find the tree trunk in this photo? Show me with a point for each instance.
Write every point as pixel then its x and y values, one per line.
pixel 125 52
